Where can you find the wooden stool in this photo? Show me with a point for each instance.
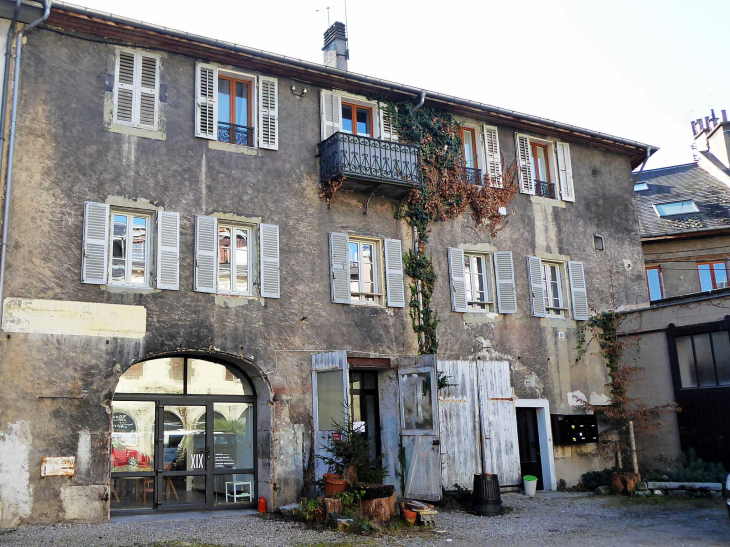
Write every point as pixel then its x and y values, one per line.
pixel 169 486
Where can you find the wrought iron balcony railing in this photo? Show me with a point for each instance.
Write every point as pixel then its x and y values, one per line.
pixel 366 158
pixel 545 189
pixel 235 134
pixel 473 175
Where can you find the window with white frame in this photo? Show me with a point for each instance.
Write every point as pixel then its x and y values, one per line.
pixel 478 281
pixel 129 263
pixel 364 257
pixel 552 280
pixel 234 259
pixel 136 89
pixel 545 168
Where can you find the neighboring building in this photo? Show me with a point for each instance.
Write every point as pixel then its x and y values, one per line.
pixel 185 315
pixel 684 212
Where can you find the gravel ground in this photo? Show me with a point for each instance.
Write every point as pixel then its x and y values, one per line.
pixel 549 519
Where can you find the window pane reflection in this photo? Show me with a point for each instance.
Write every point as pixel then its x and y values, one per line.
pixel 119 248
pixel 155 376
pixel 139 250
pixel 241 103
pixel 346 118
pixel 415 391
pixel 133 426
pixel 234 488
pixel 132 493
pixel 233 435
pixel 206 378
pixel 224 100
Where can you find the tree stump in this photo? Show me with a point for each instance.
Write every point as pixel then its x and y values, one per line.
pixel 624 484
pixel 380 509
pixel 332 505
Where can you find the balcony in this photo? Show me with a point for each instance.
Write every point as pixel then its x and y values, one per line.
pixel 473 176
pixel 545 189
pixel 365 163
pixel 235 134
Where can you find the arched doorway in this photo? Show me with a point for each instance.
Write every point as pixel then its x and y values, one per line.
pixel 183 436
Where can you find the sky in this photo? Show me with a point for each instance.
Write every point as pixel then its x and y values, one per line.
pixel 638 69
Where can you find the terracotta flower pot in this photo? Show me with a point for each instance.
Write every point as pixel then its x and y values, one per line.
pixel 333 484
pixel 410 516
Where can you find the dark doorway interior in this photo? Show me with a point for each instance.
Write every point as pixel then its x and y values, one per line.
pixel 529 442
pixel 364 405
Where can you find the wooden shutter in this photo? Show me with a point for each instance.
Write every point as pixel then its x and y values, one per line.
pixel 578 294
pixel 147 91
pixel 522 148
pixel 331 106
pixel 387 129
pixel 394 274
pixel 504 272
pixel 339 268
pixel 494 158
pixel 269 250
pixel 565 172
pixel 457 280
pixel 537 289
pixel 124 94
pixel 168 250
pixel 96 243
pixel 206 253
pixel 206 105
pixel 268 113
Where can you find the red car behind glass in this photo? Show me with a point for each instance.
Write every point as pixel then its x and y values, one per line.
pixel 128 457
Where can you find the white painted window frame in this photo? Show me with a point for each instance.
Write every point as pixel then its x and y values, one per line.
pixel 359 100
pixel 562 293
pixel 486 258
pixel 479 146
pixel 378 262
pixel 553 161
pixel 251 251
pixel 545 436
pixel 253 78
pixel 151 233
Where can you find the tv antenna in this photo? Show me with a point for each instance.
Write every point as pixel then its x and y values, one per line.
pixel 328 12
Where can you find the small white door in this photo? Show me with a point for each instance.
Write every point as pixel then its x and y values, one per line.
pixel 330 387
pixel 417 385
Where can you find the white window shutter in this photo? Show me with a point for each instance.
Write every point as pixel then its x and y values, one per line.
pixel 269 250
pixel 457 280
pixel 95 253
pixel 565 172
pixel 147 85
pixel 168 250
pixel 387 129
pixel 394 274
pixel 206 104
pixel 578 294
pixel 331 113
pixel 522 148
pixel 340 268
pixel 504 272
pixel 494 157
pixel 206 253
pixel 268 113
pixel 537 289
pixel 124 88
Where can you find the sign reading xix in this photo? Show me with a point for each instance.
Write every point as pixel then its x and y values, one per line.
pixel 196 461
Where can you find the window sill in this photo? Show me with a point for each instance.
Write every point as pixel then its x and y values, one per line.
pixel 481 318
pixel 555 321
pixel 547 201
pixel 126 289
pixel 236 300
pixel 136 132
pixel 235 148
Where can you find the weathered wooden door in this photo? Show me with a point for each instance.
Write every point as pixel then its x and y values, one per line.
pixel 418 388
pixel 500 452
pixel 330 386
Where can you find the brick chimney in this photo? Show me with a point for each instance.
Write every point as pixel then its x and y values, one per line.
pixel 335 49
pixel 712 137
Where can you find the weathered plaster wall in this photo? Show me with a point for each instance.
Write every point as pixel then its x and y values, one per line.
pixel 677 259
pixel 58 386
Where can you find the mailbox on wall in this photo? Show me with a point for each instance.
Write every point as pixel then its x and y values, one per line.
pixel 571 429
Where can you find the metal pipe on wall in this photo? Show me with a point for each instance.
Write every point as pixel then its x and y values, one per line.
pixel 11 146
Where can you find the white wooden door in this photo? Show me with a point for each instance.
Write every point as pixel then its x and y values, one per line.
pixel 330 386
pixel 418 386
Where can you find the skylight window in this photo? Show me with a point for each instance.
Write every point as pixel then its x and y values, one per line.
pixel 641 186
pixel 676 208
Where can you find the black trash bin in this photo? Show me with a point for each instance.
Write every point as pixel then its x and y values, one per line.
pixel 485 498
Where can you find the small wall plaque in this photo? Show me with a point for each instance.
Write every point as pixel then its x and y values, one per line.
pixel 61 466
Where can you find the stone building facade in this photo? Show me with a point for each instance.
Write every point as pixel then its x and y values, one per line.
pixel 114 152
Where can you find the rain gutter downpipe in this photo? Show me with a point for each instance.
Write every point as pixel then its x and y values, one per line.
pixel 638 174
pixel 11 146
pixel 420 103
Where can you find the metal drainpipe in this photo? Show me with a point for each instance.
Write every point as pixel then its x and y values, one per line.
pixel 11 146
pixel 418 286
pixel 420 103
pixel 638 175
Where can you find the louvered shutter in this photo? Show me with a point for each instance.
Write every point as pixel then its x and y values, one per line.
pixel 269 251
pixel 206 105
pixel 340 268
pixel 522 147
pixel 168 250
pixel 537 289
pixel 494 158
pixel 457 280
pixel 387 129
pixel 504 272
pixel 565 172
pixel 331 106
pixel 148 83
pixel 268 113
pixel 394 274
pixel 206 253
pixel 124 89
pixel 578 293
pixel 96 243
